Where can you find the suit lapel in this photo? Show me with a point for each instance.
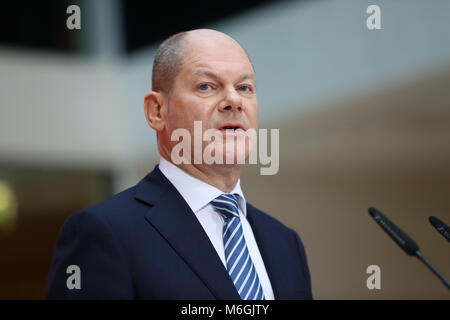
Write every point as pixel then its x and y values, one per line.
pixel 172 217
pixel 273 259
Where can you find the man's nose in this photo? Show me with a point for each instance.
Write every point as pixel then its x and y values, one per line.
pixel 232 101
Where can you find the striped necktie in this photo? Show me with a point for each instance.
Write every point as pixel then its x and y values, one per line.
pixel 238 260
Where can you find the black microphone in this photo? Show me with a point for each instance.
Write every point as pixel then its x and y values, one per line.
pixel 404 241
pixel 441 227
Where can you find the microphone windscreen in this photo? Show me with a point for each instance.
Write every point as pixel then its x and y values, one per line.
pixel 400 237
pixel 440 226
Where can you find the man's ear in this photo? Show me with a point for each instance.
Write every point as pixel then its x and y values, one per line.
pixel 155 110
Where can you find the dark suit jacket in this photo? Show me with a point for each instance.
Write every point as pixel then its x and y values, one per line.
pixel 146 243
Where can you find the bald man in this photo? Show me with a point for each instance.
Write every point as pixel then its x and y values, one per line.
pixel 185 231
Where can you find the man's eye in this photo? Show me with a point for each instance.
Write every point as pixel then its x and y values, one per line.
pixel 245 88
pixel 204 87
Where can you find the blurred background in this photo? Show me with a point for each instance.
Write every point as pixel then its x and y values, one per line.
pixel 364 119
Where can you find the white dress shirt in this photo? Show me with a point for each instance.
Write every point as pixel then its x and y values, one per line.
pixel 198 195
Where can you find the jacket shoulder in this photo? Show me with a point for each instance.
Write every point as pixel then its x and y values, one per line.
pixel 269 220
pixel 117 211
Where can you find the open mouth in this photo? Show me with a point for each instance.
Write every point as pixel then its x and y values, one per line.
pixel 230 128
pixel 233 127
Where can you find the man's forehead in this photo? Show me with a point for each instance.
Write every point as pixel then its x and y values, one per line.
pixel 214 48
pixel 208 72
pixel 215 55
pixel 211 54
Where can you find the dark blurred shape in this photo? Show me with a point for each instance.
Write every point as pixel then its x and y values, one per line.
pixel 37 24
pixel 42 24
pixel 147 22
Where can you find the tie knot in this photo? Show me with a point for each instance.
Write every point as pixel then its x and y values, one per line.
pixel 227 205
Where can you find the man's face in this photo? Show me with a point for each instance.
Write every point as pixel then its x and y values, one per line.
pixel 216 86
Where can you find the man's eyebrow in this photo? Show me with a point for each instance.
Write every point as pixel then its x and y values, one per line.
pixel 203 72
pixel 207 73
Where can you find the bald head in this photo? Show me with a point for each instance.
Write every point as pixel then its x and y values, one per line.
pixel 168 62
pixel 171 54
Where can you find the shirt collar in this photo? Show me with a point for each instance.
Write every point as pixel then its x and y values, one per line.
pixel 196 192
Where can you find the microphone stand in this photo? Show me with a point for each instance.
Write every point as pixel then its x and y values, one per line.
pixel 433 269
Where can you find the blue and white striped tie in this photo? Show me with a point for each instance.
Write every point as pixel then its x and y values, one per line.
pixel 238 260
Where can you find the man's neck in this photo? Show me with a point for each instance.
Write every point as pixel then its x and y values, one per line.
pixel 223 177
